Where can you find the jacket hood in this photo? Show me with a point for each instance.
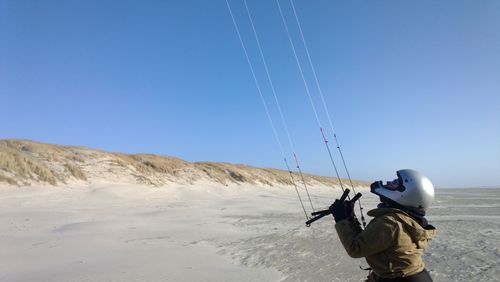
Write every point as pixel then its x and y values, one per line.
pixel 417 227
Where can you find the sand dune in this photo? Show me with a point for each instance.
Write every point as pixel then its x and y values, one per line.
pixel 24 162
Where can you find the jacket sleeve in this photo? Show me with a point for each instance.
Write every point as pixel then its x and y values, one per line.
pixel 378 236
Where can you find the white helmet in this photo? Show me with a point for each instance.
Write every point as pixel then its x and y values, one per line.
pixel 411 189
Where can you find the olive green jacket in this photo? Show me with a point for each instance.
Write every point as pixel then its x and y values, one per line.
pixel 392 243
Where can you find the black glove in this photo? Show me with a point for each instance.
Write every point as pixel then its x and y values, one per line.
pixel 341 210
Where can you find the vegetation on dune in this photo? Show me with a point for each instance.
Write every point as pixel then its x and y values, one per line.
pixel 24 162
pixel 21 167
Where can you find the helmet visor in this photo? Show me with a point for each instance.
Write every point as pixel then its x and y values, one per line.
pixel 392 185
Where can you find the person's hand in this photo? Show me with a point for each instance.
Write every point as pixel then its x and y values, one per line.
pixel 342 210
pixel 349 209
pixel 338 210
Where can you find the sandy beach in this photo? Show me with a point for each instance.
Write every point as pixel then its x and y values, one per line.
pixel 215 233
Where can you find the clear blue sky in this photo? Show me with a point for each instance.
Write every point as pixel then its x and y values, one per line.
pixel 409 84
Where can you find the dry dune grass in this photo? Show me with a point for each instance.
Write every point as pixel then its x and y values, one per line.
pixel 20 168
pixel 224 173
pixel 149 164
pixel 75 171
pixel 24 162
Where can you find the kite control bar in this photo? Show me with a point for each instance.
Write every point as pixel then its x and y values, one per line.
pixel 319 214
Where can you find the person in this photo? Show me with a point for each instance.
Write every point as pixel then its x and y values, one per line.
pixel 394 241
